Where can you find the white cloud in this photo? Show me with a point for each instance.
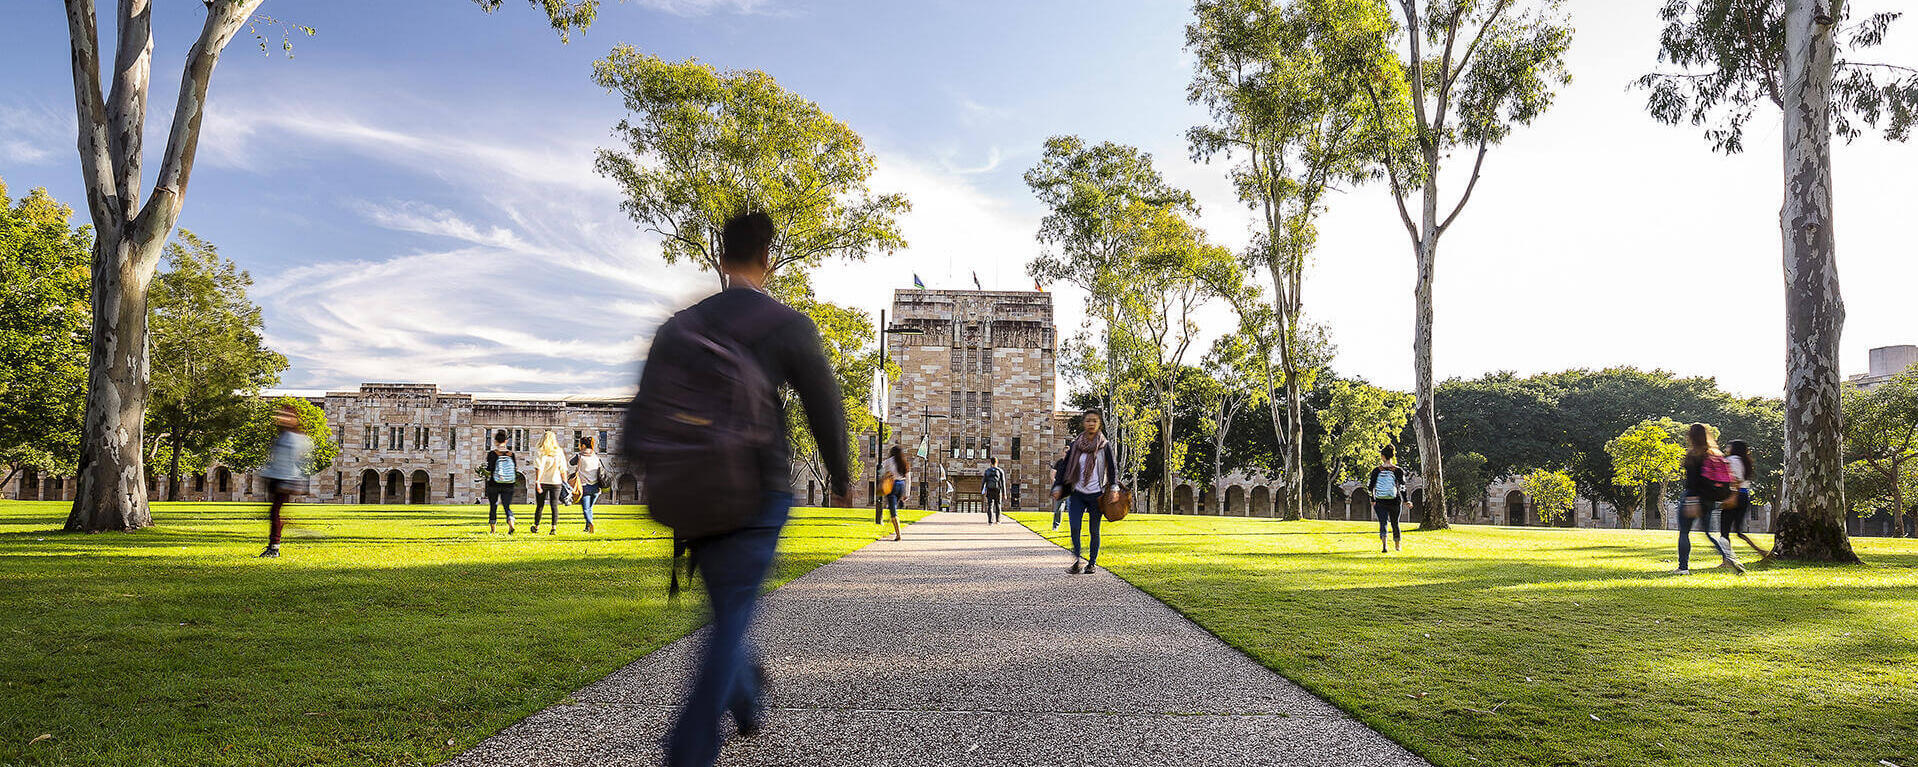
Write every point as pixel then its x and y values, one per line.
pixel 35 135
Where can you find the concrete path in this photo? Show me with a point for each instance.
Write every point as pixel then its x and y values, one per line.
pixel 966 644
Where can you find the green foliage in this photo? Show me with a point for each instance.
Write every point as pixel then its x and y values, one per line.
pixel 566 16
pixel 1465 479
pixel 1552 493
pixel 703 145
pixel 44 279
pixel 845 333
pixel 1881 445
pixel 210 360
pixel 252 444
pixel 1647 453
pixel 1730 54
pixel 1360 420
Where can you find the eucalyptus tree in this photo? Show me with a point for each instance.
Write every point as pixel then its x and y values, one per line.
pixel 1733 58
pixel 1234 380
pixel 1178 273
pixel 1554 495
pixel 1470 73
pixel 1645 454
pixel 130 233
pixel 1097 198
pixel 702 145
pixel 1284 85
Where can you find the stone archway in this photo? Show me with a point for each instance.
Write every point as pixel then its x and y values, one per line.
pixel 1235 501
pixel 1515 509
pixel 1261 504
pixel 29 485
pixel 628 489
pixel 369 487
pixel 1182 500
pixel 418 488
pixel 395 487
pixel 222 484
pixel 1415 512
pixel 1359 506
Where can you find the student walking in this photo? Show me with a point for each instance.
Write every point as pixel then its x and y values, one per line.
pixel 1708 481
pixel 502 478
pixel 1090 473
pixel 589 474
pixel 1058 501
pixel 899 470
pixel 994 486
pixel 549 474
pixel 1387 485
pixel 284 472
pixel 727 486
pixel 1732 520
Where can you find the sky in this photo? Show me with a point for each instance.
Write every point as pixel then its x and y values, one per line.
pixel 414 196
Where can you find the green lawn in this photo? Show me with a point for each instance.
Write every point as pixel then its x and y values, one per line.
pixel 1502 646
pixel 383 636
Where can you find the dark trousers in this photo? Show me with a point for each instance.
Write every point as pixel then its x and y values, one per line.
pixel 734 565
pixel 993 508
pixel 893 500
pixel 1704 523
pixel 278 490
pixel 497 497
pixel 548 495
pixel 1387 511
pixel 1082 505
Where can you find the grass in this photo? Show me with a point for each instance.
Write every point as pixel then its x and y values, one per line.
pixel 383 636
pixel 1502 646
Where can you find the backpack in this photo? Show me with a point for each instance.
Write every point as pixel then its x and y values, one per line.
pixel 1718 478
pixel 1387 486
pixel 703 415
pixel 505 471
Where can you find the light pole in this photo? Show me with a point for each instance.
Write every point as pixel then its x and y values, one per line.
pixel 885 380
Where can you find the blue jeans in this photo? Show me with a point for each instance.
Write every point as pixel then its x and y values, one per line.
pixel 588 495
pixel 734 565
pixel 1704 524
pixel 495 498
pixel 1387 511
pixel 1084 504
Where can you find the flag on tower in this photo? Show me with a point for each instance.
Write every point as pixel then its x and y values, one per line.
pixel 1037 286
pixel 975 280
pixel 918 283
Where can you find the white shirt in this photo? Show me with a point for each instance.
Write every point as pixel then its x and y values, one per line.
pixel 551 470
pixel 1092 472
pixel 897 472
pixel 1738 471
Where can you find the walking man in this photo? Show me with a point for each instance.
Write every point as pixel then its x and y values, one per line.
pixel 994 486
pixel 285 471
pixel 784 347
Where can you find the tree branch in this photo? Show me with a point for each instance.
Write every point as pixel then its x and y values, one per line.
pixel 1465 59
pixel 223 20
pixel 127 102
pixel 1392 170
pixel 96 161
pixel 1477 166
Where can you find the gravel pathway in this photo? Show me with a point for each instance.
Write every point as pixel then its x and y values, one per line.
pixel 966 644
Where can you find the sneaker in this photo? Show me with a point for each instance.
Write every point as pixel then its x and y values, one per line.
pixel 1074 569
pixel 1681 571
pixel 272 552
pixel 536 529
pixel 1736 567
pixel 1089 568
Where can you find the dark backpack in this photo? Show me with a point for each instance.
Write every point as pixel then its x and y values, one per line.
pixel 702 417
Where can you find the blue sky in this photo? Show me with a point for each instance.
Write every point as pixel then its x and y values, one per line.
pixel 413 192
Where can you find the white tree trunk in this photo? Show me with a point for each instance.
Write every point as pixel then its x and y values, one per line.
pixel 110 492
pixel 1813 525
pixel 1425 416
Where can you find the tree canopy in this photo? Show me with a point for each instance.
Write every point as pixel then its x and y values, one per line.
pixel 44 262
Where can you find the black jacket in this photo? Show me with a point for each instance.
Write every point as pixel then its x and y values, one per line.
pixel 790 354
pixel 1107 455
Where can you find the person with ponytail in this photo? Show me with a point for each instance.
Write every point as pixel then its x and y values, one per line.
pixel 1732 521
pixel 1707 483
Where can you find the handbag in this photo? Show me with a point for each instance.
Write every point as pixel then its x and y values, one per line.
pixel 1693 508
pixel 885 486
pixel 1115 503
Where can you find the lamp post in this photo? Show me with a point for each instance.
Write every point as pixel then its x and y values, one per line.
pixel 885 381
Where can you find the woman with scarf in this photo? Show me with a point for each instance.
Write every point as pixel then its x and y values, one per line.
pixel 1090 472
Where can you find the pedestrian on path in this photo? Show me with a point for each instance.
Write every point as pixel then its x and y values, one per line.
pixel 1058 501
pixel 1090 472
pixel 899 472
pixel 589 474
pixel 1732 520
pixel 549 471
pixel 502 479
pixel 284 472
pixel 994 486
pixel 1386 485
pixel 1708 482
pixel 733 528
